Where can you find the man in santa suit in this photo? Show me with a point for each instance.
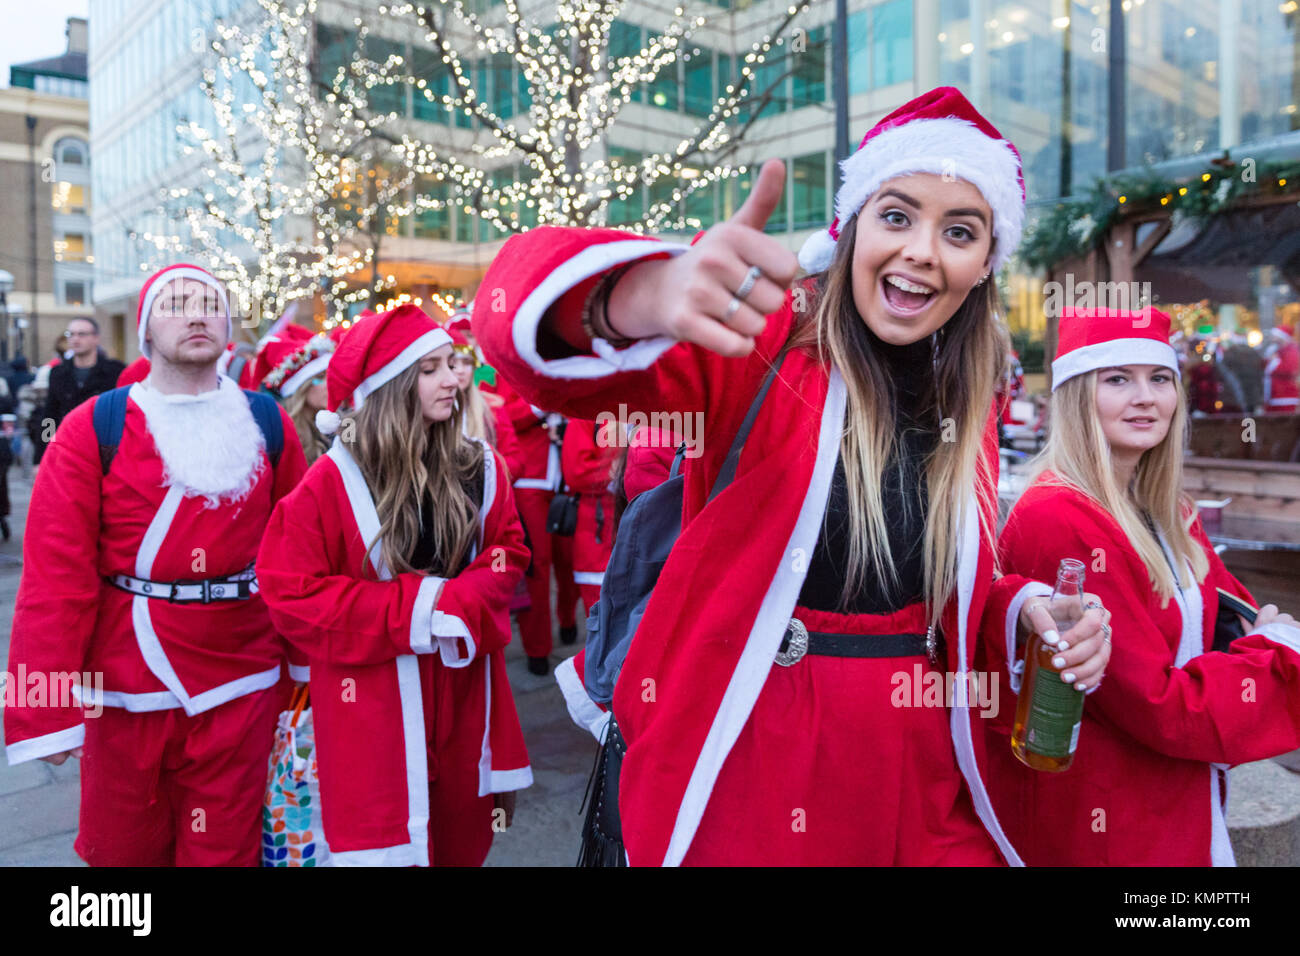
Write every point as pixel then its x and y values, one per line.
pixel 1280 373
pixel 138 572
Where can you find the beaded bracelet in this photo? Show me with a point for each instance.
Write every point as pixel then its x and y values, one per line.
pixel 600 294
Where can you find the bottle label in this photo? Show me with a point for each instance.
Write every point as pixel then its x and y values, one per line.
pixel 1054 716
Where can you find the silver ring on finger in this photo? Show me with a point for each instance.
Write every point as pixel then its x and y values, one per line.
pixel 1093 604
pixel 1105 633
pixel 732 308
pixel 751 280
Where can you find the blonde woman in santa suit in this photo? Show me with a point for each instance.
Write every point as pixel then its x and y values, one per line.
pixel 848 518
pixel 1147 784
pixel 391 567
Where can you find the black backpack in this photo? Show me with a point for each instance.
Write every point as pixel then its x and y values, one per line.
pixel 110 417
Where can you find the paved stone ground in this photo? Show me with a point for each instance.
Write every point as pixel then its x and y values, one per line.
pixel 39 803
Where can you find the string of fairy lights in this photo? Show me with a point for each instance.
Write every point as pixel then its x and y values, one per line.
pixel 299 181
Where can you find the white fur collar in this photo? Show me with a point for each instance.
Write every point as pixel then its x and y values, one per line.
pixel 209 443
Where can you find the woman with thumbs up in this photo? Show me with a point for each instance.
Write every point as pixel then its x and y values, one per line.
pixel 778 699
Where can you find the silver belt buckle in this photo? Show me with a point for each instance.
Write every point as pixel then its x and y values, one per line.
pixel 798 645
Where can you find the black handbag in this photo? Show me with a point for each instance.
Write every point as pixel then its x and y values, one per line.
pixel 1227 623
pixel 562 518
pixel 602 831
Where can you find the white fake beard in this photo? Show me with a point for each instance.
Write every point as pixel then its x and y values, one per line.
pixel 209 443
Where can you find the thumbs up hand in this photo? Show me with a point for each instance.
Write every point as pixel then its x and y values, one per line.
pixel 693 297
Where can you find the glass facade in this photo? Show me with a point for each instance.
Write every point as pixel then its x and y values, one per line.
pixel 1198 79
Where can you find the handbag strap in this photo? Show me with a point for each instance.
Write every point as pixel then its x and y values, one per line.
pixel 300 697
pixel 732 462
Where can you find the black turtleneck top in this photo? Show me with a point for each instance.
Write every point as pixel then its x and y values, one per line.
pixel 904 497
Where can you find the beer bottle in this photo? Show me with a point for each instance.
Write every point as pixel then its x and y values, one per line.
pixel 1049 711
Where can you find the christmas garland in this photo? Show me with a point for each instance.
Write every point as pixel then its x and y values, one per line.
pixel 1075 227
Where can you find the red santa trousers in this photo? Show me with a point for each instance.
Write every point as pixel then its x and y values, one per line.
pixel 831 771
pixel 535 623
pixel 160 788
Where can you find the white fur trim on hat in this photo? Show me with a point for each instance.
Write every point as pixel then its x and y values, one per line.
pixel 305 374
pixel 1114 353
pixel 160 280
pixel 426 343
pixel 947 146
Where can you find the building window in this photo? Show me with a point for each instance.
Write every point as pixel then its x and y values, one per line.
pixel 810 193
pixel 891 43
pixel 432 223
pixel 625 41
pixel 699 83
pixel 71 152
pixel 69 198
pixel 74 292
pixel 809 79
pixel 623 211
pixel 72 247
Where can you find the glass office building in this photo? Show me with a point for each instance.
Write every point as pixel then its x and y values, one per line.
pixel 1201 76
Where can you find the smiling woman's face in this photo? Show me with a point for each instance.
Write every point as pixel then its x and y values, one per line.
pixel 922 244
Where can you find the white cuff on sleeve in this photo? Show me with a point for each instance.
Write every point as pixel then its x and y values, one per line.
pixel 1284 634
pixel 300 672
pixel 422 615
pixel 46 744
pixel 1015 666
pixel 589 262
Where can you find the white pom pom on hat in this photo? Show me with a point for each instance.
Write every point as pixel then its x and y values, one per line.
pixel 327 422
pixel 939 132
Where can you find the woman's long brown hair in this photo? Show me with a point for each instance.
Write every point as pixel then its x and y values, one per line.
pixel 402 456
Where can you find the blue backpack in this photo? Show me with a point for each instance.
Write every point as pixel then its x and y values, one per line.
pixel 646 535
pixel 110 417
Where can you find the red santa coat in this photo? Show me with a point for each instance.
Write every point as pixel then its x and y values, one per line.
pixel 587 464
pixel 1283 388
pixel 718 614
pixel 507 444
pixel 1144 787
pixel 539 459
pixel 84 527
pixel 369 644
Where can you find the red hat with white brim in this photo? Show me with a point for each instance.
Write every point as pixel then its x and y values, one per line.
pixel 376 350
pixel 939 132
pixel 1091 339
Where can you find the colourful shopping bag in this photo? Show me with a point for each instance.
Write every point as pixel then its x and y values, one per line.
pixel 292 832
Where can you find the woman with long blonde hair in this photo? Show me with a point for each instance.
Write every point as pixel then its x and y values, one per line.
pixel 800 689
pixel 391 566
pixel 1146 786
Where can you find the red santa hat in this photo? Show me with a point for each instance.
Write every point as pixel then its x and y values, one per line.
pixel 938 132
pixel 1091 339
pixel 376 350
pixel 291 358
pixel 461 344
pixel 1283 333
pixel 460 319
pixel 154 285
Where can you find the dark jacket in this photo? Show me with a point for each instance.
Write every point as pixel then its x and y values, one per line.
pixel 64 394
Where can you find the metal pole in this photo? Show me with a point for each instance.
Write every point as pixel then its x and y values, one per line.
pixel 1116 77
pixel 840 82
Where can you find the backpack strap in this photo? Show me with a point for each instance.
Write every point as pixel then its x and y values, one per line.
pixel 728 472
pixel 109 415
pixel 267 415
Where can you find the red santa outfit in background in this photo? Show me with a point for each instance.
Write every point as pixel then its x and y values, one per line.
pixel 1171 713
pixel 536 483
pixel 1282 390
pixel 503 438
pixel 713 758
pixel 174 768
pixel 587 459
pixel 416 728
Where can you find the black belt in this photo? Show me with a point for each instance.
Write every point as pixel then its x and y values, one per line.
pixel 237 587
pixel 799 641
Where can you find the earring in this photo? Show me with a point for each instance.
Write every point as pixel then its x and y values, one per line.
pixel 983 279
